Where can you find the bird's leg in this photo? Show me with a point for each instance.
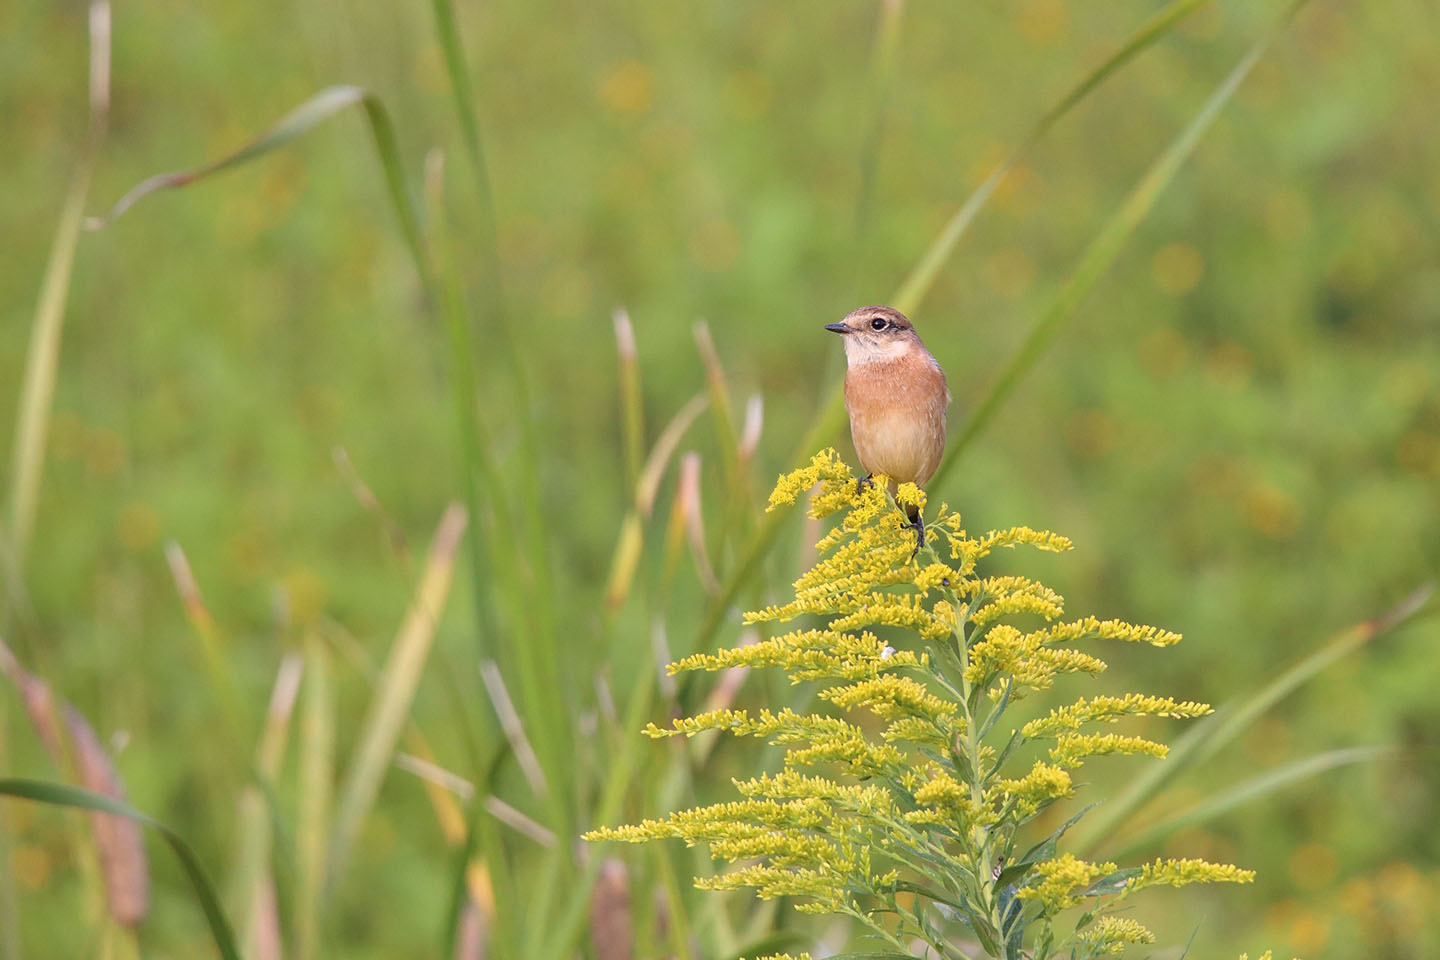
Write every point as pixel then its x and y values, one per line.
pixel 863 482
pixel 917 523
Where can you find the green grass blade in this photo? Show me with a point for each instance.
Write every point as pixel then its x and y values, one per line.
pixel 398 681
pixel 882 70
pixel 449 33
pixel 37 391
pixel 529 651
pixel 479 474
pixel 314 111
pixel 1233 723
pixel 632 406
pixel 65 796
pixel 831 418
pixel 912 292
pixel 536 541
pixel 1106 246
pixel 1246 791
pixel 9 898
pixel 316 778
pixel 253 868
pixel 727 438
pixel 1217 731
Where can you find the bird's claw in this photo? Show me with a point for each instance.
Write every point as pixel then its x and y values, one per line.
pixel 918 525
pixel 862 483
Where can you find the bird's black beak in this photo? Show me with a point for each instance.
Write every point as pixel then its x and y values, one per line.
pixel 837 328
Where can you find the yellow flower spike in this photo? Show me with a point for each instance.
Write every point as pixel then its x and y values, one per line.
pixel 1182 873
pixel 825 465
pixel 1107 710
pixel 1062 882
pixel 1113 934
pixel 891 698
pixel 1022 536
pixel 858 807
pixel 1090 627
pixel 1041 785
pixel 1073 749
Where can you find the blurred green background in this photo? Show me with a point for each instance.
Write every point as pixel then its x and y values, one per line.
pixel 1240 428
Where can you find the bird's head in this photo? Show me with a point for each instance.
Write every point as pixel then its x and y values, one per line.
pixel 876 333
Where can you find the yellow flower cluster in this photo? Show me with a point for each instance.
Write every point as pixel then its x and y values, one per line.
pixel 1073 749
pixel 1182 873
pixel 1107 710
pixel 811 655
pixel 1066 880
pixel 1113 934
pixel 918 640
pixel 830 739
pixel 1041 785
pixel 1063 882
pixel 1024 658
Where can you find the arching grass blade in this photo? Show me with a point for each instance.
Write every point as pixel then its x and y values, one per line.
pixel 65 796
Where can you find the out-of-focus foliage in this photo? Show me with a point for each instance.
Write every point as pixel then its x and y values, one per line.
pixel 1242 426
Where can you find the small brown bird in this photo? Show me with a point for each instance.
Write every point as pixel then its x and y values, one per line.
pixel 896 395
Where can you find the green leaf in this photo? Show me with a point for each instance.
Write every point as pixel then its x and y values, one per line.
pixel 1250 790
pixel 1044 850
pixel 922 277
pixel 1219 729
pixel 396 685
pixel 1103 250
pixel 301 120
pixel 60 795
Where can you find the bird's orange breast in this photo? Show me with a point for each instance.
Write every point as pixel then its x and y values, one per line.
pixel 897 416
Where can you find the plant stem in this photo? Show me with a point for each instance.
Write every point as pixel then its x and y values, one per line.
pixel 981 853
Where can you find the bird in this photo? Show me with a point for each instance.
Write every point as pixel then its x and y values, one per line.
pixel 896 396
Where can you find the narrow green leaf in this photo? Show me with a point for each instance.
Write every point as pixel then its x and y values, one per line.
pixel 1233 722
pixel 316 778
pixel 37 388
pixel 398 681
pixel 922 277
pixel 1218 730
pixel 1271 781
pixel 1103 250
pixel 882 71
pixel 479 475
pixel 831 418
pixel 529 651
pixel 632 406
pixel 61 795
pixel 301 120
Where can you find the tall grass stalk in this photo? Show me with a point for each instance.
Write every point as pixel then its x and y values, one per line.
pixel 881 76
pixel 253 873
pixel 1103 250
pixel 632 406
pixel 528 643
pixel 1231 720
pixel 37 391
pixel 316 774
pixel 64 796
pixel 389 707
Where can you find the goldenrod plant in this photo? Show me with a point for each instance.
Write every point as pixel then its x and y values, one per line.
pixel 903 805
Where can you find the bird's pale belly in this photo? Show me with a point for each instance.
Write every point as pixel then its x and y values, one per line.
pixel 903 446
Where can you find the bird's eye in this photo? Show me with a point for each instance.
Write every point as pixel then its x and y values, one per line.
pixel 878 324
